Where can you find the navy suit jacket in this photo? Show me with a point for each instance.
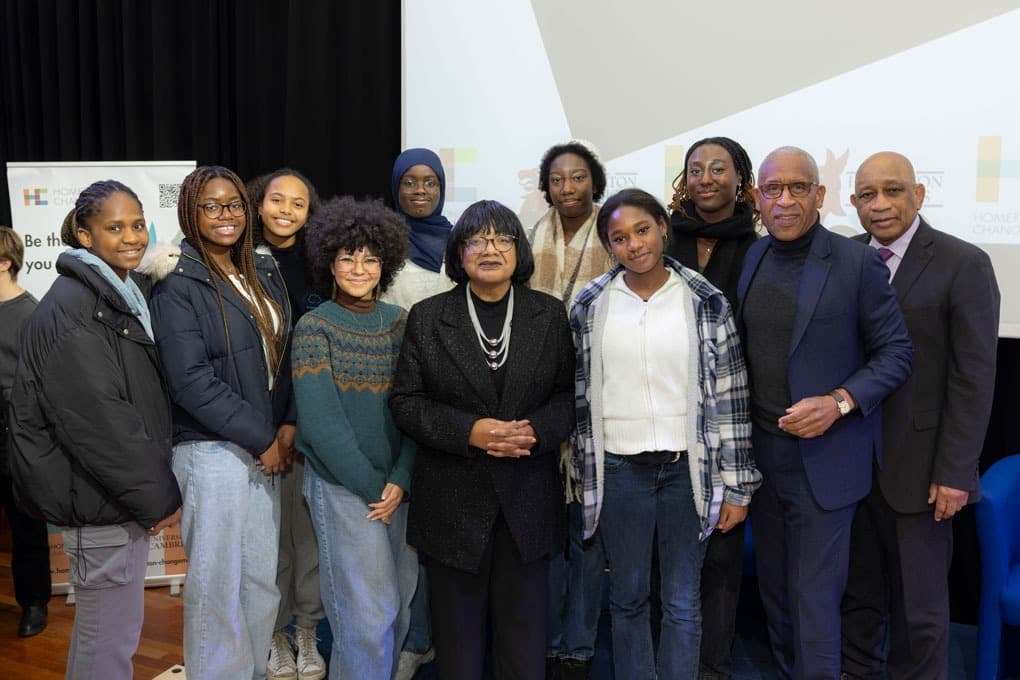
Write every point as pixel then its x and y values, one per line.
pixel 847 332
pixel 934 426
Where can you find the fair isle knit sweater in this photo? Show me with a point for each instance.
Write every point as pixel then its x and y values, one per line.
pixel 343 372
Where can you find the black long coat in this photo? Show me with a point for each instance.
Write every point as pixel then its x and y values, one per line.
pixel 442 385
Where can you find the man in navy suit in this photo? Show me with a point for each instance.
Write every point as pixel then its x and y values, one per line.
pixel 825 344
pixel 933 432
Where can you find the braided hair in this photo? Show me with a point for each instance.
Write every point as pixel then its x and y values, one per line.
pixel 90 202
pixel 242 254
pixel 741 163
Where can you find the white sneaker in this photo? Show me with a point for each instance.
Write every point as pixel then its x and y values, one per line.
pixel 310 665
pixel 281 658
pixel 410 662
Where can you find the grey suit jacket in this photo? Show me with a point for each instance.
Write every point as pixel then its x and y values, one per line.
pixel 934 425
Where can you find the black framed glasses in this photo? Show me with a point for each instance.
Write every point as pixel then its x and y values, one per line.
pixel 214 210
pixel 501 242
pixel 797 189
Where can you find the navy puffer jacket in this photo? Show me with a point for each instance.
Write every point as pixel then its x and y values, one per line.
pixel 219 392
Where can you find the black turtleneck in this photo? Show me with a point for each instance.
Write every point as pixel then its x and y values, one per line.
pixel 768 313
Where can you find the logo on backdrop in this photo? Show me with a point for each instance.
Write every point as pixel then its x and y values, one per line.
pixel 831 177
pixel 992 169
pixel 35 197
pixel 454 160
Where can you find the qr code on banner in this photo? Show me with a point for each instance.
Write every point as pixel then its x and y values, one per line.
pixel 168 195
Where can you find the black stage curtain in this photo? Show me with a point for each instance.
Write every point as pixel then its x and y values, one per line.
pixel 250 84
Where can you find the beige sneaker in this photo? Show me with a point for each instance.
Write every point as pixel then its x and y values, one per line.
pixel 310 665
pixel 281 658
pixel 409 663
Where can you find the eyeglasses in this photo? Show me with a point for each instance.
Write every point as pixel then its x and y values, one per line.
pixel 478 244
pixel 345 264
pixel 214 210
pixel 797 189
pixel 411 183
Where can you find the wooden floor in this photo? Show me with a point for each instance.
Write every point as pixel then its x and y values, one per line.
pixel 43 657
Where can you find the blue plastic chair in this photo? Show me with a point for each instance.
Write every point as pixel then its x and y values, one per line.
pixel 998 521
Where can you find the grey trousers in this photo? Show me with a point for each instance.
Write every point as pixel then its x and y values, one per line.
pixel 297 572
pixel 107 570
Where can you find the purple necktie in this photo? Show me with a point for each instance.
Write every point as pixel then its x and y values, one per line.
pixel 885 253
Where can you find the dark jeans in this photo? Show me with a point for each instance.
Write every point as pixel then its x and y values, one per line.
pixel 30 551
pixel 642 504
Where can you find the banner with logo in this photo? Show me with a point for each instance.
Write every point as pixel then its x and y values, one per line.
pixel 43 193
pixel 41 196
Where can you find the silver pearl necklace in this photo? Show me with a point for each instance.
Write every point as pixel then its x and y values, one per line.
pixel 496 350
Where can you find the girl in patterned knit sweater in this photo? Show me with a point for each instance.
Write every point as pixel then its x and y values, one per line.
pixel 359 464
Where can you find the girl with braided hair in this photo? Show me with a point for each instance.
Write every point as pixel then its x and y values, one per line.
pixel 713 222
pixel 222 321
pixel 90 426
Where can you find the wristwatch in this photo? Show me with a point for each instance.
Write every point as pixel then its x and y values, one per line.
pixel 841 403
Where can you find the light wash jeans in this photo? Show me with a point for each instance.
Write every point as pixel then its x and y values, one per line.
pixel 107 570
pixel 230 524
pixel 367 576
pixel 640 503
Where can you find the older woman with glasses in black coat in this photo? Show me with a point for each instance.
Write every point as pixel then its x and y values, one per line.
pixel 484 384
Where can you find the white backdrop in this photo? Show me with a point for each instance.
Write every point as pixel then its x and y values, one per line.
pixel 490 86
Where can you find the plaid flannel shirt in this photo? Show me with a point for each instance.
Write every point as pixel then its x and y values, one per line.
pixel 723 436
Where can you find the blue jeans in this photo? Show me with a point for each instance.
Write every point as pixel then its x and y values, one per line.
pixel 230 523
pixel 575 593
pixel 640 503
pixel 367 577
pixel 419 631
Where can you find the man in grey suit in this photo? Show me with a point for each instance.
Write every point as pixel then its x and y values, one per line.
pixel 933 432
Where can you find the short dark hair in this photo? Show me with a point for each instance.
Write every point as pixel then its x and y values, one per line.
pixel 256 189
pixel 12 249
pixel 483 217
pixel 598 172
pixel 90 202
pixel 343 223
pixel 635 198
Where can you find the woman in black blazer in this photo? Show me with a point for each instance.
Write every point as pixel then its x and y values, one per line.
pixel 484 384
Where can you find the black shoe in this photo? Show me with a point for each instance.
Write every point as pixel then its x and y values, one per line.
pixel 33 620
pixel 574 669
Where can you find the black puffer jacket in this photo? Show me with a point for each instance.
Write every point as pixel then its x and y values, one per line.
pixel 219 388
pixel 89 412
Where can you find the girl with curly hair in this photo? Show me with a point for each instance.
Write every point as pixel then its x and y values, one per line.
pixel 359 463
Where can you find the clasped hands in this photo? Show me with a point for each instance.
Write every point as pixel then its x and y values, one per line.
pixel 503 438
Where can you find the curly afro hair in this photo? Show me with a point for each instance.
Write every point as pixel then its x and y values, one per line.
pixel 343 223
pixel 598 171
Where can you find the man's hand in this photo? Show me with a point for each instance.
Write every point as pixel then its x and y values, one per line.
pixel 947 500
pixel 813 416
